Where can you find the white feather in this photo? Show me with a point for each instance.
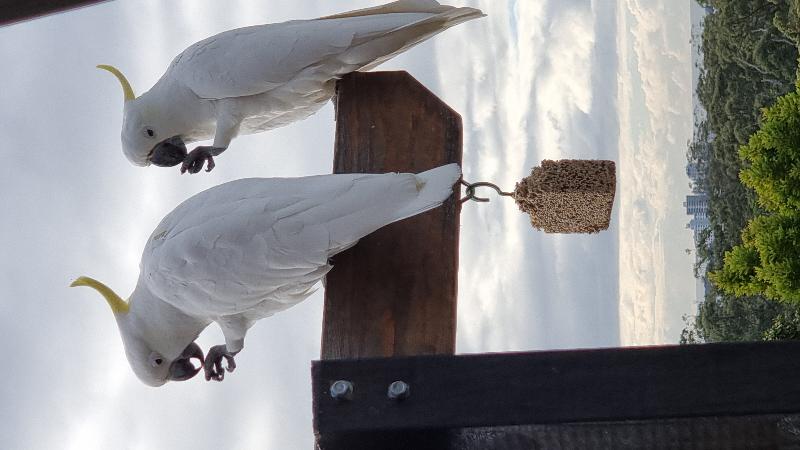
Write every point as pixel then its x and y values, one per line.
pixel 250 248
pixel 258 78
pixel 254 60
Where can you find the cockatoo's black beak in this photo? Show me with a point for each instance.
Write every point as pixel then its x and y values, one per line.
pixel 182 369
pixel 169 152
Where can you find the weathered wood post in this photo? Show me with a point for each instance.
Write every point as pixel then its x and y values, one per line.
pixel 394 294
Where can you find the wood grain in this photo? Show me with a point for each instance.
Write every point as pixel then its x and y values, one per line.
pixel 394 293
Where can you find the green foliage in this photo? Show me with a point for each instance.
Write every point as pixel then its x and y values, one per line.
pixel 767 262
pixel 786 326
pixel 738 274
pixel 750 60
pixel 773 157
pixel 726 318
pixel 788 21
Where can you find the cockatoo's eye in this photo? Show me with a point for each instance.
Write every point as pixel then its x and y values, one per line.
pixel 149 132
pixel 155 359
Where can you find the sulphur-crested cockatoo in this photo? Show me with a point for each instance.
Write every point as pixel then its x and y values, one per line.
pixel 257 78
pixel 246 250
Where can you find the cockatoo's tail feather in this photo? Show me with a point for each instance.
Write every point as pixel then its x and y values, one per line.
pixel 435 19
pixel 434 187
pixel 117 304
pixel 127 90
pixel 400 6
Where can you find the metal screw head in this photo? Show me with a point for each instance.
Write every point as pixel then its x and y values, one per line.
pixel 342 390
pixel 399 390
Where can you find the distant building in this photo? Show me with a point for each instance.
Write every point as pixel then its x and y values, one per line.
pixel 696 205
pixel 693 172
pixel 698 224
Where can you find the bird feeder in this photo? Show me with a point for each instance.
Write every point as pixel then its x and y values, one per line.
pixel 566 196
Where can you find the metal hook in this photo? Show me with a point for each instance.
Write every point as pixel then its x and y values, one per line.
pixel 470 192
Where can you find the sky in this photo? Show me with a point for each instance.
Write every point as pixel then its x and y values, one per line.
pixel 550 79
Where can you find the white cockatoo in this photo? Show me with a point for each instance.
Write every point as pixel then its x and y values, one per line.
pixel 246 250
pixel 257 78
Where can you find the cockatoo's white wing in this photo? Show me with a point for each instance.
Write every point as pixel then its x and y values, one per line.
pixel 262 244
pixel 252 60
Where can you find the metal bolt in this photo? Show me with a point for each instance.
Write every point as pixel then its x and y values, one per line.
pixel 399 390
pixel 342 390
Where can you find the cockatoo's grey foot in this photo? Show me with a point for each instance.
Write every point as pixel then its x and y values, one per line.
pixel 197 158
pixel 213 364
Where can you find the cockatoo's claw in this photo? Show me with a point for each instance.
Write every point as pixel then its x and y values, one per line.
pixel 197 158
pixel 213 364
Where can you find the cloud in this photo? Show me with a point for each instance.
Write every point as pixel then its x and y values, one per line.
pixel 537 89
pixel 655 122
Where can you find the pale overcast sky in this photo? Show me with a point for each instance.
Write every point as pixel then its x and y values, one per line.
pixel 553 79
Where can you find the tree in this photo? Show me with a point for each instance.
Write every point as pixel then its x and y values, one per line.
pixel 767 262
pixel 786 326
pixel 749 60
pixel 738 275
pixel 773 157
pixel 727 318
pixel 787 21
pixel 747 64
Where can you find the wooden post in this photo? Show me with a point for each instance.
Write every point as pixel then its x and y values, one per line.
pixel 394 294
pixel 12 11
